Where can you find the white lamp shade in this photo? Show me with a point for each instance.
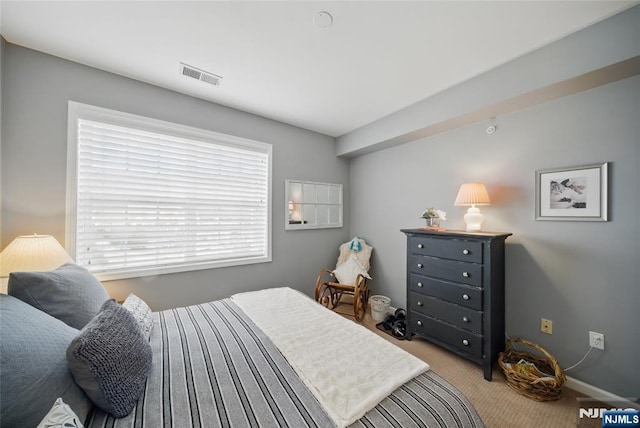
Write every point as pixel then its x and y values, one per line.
pixel 32 253
pixel 471 194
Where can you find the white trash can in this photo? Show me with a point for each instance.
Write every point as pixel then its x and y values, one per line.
pixel 379 307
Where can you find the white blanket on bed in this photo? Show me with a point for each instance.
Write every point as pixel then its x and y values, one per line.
pixel 347 367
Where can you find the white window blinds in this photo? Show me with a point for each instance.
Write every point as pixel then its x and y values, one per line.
pixel 150 202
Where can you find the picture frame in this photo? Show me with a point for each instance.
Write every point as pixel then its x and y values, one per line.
pixel 573 194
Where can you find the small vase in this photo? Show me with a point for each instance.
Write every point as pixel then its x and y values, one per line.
pixel 433 222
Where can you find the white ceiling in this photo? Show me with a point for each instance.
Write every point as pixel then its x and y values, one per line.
pixel 377 58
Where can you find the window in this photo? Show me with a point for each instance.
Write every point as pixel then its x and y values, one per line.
pixel 147 197
pixel 313 205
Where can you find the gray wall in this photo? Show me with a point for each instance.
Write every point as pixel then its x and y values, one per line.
pixel 582 275
pixel 37 90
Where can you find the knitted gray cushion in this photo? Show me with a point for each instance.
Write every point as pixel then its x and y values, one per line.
pixel 70 293
pixel 33 367
pixel 110 359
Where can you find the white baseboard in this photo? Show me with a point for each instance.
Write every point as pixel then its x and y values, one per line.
pixel 600 394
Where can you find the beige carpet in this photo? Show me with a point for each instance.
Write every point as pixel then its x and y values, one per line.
pixel 498 405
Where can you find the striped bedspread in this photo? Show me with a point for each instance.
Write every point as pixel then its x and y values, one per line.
pixel 213 367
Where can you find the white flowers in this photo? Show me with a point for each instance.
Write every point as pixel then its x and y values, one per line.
pixel 434 213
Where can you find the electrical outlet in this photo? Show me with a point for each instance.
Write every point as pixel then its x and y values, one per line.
pixel 596 340
pixel 546 326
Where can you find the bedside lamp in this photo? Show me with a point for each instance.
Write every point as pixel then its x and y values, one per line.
pixel 31 253
pixel 472 194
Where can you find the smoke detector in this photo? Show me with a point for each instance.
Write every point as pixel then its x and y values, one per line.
pixel 198 74
pixel 322 20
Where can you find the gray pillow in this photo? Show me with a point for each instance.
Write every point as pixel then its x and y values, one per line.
pixel 69 293
pixel 141 312
pixel 110 359
pixel 33 366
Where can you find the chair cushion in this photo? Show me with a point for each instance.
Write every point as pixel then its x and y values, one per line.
pixel 141 312
pixel 33 367
pixel 363 254
pixel 347 272
pixel 110 359
pixel 70 293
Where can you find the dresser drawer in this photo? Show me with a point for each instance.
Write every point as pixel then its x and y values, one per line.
pixel 455 249
pixel 466 273
pixel 463 341
pixel 460 316
pixel 459 294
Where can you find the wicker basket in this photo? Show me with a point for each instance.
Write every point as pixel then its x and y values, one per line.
pixel 531 384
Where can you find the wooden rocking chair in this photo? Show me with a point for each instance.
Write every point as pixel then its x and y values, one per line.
pixel 349 278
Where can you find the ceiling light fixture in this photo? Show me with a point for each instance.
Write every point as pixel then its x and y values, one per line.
pixel 198 74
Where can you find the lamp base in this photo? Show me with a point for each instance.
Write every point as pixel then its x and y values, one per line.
pixel 473 218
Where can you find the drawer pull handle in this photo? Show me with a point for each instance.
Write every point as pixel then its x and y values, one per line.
pixel 465 342
pixel 465 319
pixel 419 323
pixel 419 265
pixel 419 303
pixel 465 274
pixel 420 285
pixel 420 246
pixel 465 297
pixel 465 252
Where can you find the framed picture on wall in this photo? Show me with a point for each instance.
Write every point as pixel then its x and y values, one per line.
pixel 572 194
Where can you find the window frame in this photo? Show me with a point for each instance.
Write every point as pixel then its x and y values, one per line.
pixel 78 111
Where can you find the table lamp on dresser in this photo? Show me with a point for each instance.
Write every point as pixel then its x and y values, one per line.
pixel 472 194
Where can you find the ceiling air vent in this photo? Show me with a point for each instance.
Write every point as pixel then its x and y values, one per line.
pixel 196 73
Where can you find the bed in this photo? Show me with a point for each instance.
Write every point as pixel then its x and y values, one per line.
pixel 237 362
